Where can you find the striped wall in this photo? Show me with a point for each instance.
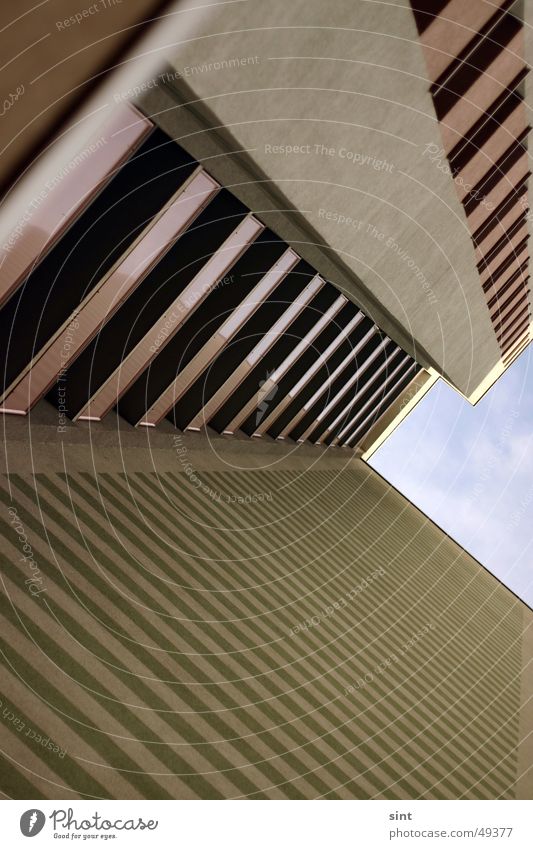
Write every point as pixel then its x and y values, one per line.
pixel 476 64
pixel 162 295
pixel 293 631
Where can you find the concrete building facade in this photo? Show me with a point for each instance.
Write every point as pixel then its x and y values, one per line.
pixel 243 620
pixel 221 288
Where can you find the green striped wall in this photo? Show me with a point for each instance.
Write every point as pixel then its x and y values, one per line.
pixel 163 657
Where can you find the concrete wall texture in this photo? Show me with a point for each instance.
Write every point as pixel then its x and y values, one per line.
pixel 332 119
pixel 214 620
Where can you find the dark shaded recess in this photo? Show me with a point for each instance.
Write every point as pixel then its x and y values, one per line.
pixel 520 319
pixel 502 243
pixel 201 326
pixel 425 11
pixel 522 295
pixel 274 357
pixel 151 298
pixel 366 386
pixel 383 407
pixel 473 60
pixel 518 326
pixel 521 305
pixel 491 179
pixel 319 379
pixel 515 350
pixel 519 336
pixel 502 268
pixel 475 139
pixel 501 211
pixel 304 362
pixel 508 283
pixel 340 381
pixel 242 343
pixel 88 249
pixel 512 348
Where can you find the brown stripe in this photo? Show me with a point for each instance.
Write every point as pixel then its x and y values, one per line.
pixel 502 242
pixel 513 283
pixel 513 258
pixel 478 55
pixel 512 300
pixel 489 123
pixel 498 172
pixel 507 203
pixel 513 315
pixel 519 347
pixel 505 341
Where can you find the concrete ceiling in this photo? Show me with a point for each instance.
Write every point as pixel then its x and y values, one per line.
pixel 332 117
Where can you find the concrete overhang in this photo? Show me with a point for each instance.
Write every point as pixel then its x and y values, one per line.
pixel 328 133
